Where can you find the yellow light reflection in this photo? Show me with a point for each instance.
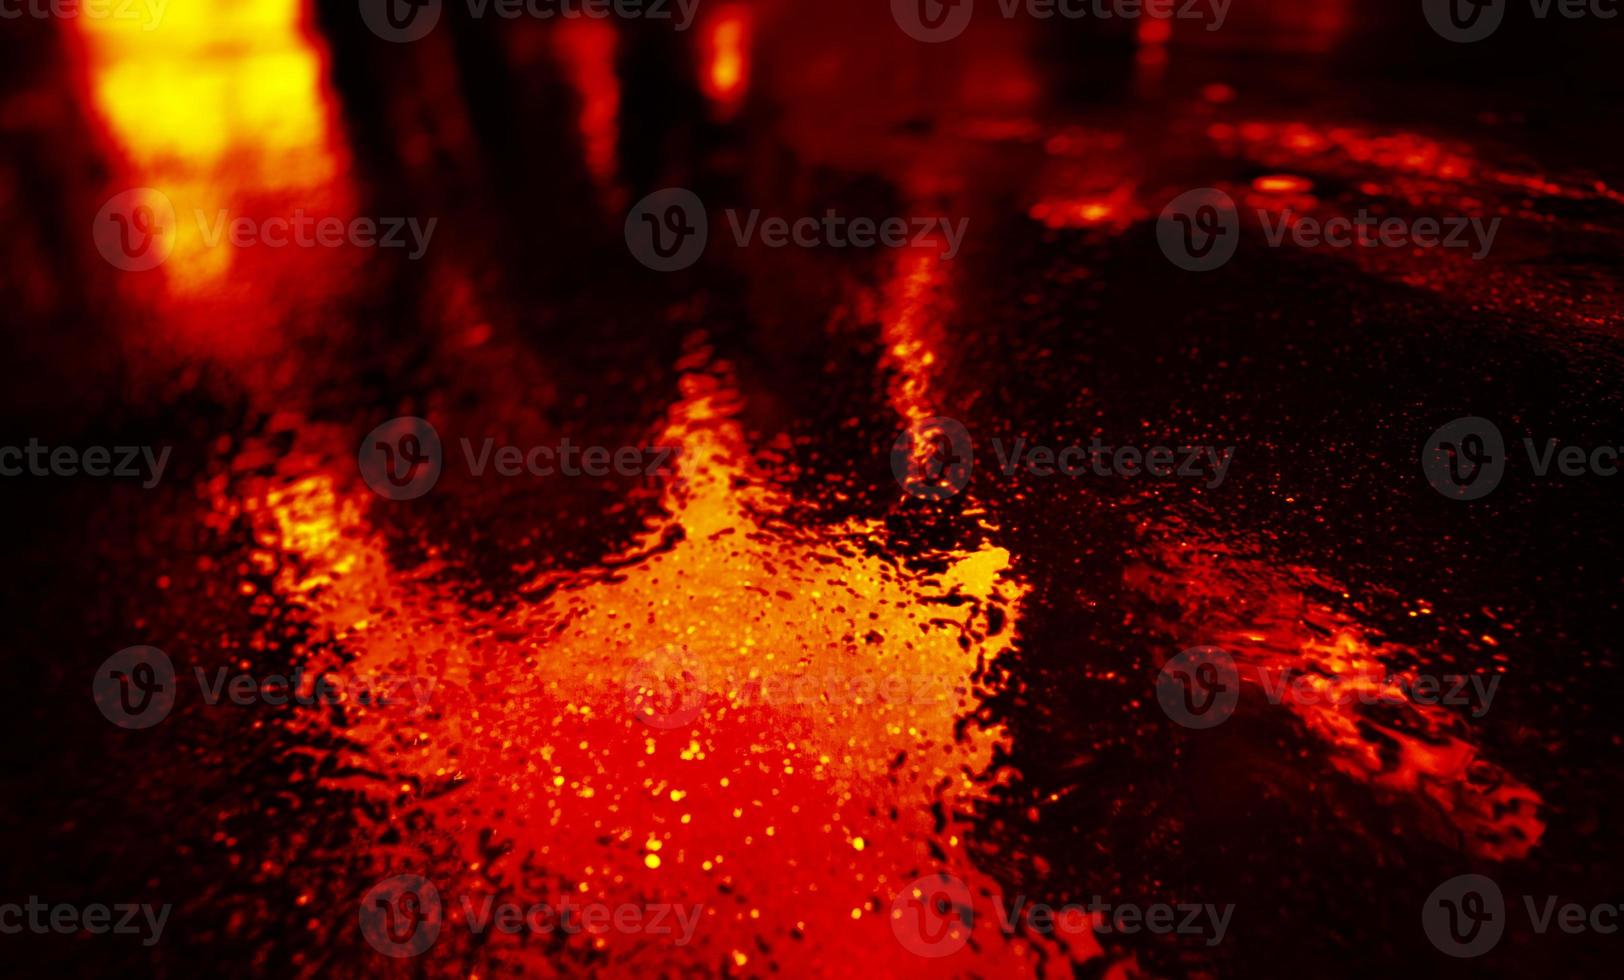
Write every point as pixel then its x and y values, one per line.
pixel 214 106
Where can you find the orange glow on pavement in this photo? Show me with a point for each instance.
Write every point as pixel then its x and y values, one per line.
pixel 829 714
pixel 1419 751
